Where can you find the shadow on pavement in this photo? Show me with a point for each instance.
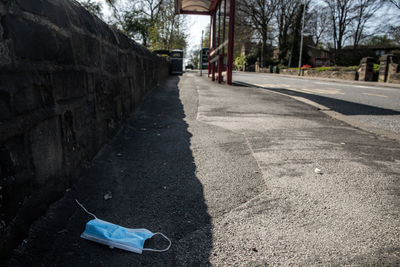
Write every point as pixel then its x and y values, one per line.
pixel 149 169
pixel 342 106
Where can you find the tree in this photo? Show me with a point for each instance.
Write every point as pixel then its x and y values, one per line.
pixel 244 33
pixel 364 10
pixel 379 41
pixel 92 7
pixel 396 3
pixel 259 14
pixel 286 14
pixel 394 32
pixel 240 63
pixel 341 18
pixel 318 23
pixel 151 22
pixel 167 31
pixel 194 57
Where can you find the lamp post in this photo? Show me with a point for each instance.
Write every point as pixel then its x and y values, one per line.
pixel 301 42
pixel 201 54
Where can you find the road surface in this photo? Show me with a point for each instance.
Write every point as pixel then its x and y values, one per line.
pixel 370 103
pixel 228 173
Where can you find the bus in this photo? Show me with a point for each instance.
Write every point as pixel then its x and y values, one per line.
pixel 176 61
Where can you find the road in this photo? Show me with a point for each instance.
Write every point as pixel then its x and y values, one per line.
pixel 375 105
pixel 228 173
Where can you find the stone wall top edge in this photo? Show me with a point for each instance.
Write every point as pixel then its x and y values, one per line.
pixel 78 16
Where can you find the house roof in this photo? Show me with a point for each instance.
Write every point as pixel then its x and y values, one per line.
pixel 194 7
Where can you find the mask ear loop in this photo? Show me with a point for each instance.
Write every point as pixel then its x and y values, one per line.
pixel 160 250
pixel 85 209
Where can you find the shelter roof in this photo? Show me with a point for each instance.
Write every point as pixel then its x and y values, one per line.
pixel 194 7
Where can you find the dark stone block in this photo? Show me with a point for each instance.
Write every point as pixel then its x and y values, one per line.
pixel 69 84
pixel 131 64
pixel 110 59
pixel 5 108
pixel 27 91
pixel 5 53
pixel 36 94
pixel 127 106
pixel 47 151
pixel 124 42
pixel 84 116
pixel 123 62
pixel 16 176
pixel 37 42
pixel 86 49
pixel 71 147
pixel 84 20
pixel 53 10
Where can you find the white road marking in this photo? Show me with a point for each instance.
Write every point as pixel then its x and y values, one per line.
pixel 374 95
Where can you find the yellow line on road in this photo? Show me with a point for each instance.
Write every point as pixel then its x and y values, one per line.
pixel 374 94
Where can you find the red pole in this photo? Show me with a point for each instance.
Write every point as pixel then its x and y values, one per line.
pixel 219 69
pixel 213 45
pixel 218 32
pixel 209 46
pixel 230 41
pixel 223 38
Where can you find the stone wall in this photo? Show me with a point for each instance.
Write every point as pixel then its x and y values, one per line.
pixel 389 69
pixel 395 78
pixel 334 74
pixel 67 81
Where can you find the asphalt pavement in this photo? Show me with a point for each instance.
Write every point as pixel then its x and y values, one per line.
pixel 234 176
pixel 375 104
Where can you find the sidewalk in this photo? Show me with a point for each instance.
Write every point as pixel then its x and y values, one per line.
pixel 228 174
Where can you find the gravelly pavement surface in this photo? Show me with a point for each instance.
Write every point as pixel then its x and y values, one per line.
pixel 228 173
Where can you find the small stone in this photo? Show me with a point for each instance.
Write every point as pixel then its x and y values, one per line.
pixel 119 154
pixel 254 249
pixel 108 196
pixel 318 171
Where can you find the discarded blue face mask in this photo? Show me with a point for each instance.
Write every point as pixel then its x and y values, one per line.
pixel 117 236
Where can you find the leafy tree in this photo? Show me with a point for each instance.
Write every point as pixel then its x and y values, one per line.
pixel 394 32
pixel 151 22
pixel 286 15
pixel 259 15
pixel 92 7
pixel 240 62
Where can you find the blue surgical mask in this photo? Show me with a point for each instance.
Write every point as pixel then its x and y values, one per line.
pixel 117 236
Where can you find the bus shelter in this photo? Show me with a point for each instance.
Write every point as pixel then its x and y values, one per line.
pixel 222 22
